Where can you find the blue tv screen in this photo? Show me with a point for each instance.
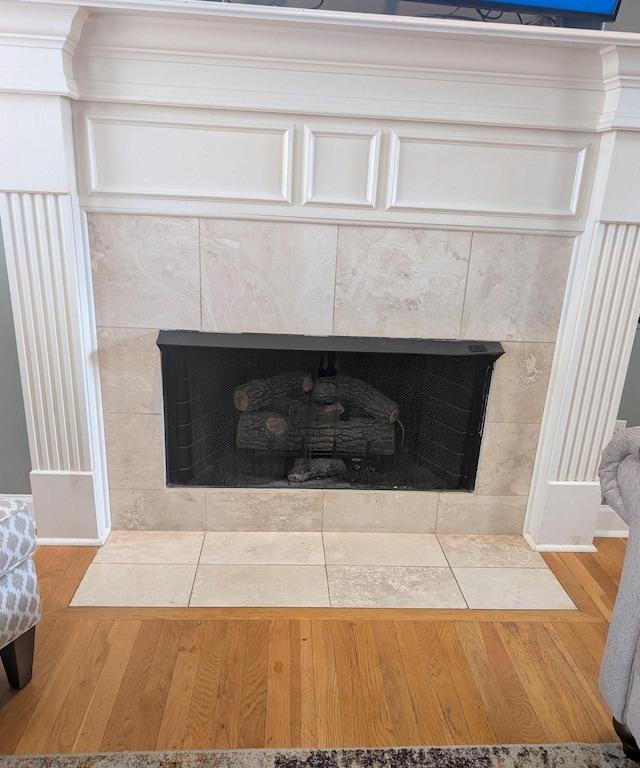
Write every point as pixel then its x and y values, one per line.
pixel 597 10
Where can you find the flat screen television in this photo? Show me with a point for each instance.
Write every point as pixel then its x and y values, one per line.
pixel 569 13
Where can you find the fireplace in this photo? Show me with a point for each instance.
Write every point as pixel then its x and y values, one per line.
pixel 279 172
pixel 260 410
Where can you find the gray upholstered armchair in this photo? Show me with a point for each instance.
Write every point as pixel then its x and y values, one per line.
pixel 620 671
pixel 20 607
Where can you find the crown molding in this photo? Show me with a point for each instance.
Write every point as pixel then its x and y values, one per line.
pixel 37 45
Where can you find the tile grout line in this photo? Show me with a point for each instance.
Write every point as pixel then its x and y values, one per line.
pixel 326 571
pixel 462 594
pixel 195 573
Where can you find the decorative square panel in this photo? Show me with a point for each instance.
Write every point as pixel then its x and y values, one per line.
pixel 341 168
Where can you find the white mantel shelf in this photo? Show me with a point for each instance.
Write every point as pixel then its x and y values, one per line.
pixel 297 59
pixel 228 111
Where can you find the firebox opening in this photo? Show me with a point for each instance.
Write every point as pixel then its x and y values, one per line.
pixel 256 411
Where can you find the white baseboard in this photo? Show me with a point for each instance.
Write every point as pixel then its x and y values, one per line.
pixel 565 548
pixel 46 541
pixel 557 547
pixel 610 525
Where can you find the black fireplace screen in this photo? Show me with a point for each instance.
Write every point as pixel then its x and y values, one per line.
pixel 252 410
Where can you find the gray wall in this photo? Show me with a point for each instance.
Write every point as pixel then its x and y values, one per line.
pixel 628 17
pixel 15 463
pixel 629 21
pixel 629 409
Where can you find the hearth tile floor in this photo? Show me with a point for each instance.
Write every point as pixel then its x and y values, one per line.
pixel 330 569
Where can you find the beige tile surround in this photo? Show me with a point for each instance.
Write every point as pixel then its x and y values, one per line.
pixel 153 273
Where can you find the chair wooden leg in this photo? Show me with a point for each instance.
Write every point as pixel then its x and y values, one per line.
pixel 17 658
pixel 629 744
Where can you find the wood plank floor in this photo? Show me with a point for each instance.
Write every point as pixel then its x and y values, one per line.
pixel 141 679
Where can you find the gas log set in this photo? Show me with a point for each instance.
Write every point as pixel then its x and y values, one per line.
pixel 315 419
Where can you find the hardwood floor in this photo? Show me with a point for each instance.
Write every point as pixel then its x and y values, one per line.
pixel 115 679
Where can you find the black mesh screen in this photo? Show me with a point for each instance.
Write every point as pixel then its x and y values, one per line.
pixel 382 419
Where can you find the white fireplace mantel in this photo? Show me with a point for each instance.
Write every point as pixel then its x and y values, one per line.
pixel 242 112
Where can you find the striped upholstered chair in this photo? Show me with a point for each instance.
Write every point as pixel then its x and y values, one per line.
pixel 20 607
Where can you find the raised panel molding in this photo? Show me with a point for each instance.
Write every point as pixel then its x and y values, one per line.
pixel 166 158
pixel 340 168
pixel 483 177
pixel 210 163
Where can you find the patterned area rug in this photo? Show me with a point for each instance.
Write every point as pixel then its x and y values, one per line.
pixel 512 756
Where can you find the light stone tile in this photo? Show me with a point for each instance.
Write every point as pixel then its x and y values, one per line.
pixel 383 549
pixel 380 511
pixel 512 589
pixel 136 585
pixel 171 547
pixel 135 451
pixel 506 460
pixel 270 277
pixel 266 509
pixel 170 509
pixel 146 271
pixel 520 381
pixel 410 508
pixel 260 586
pixel 470 513
pixel 355 586
pixel 130 374
pixel 489 552
pixel 400 282
pixel 262 547
pixel 515 287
